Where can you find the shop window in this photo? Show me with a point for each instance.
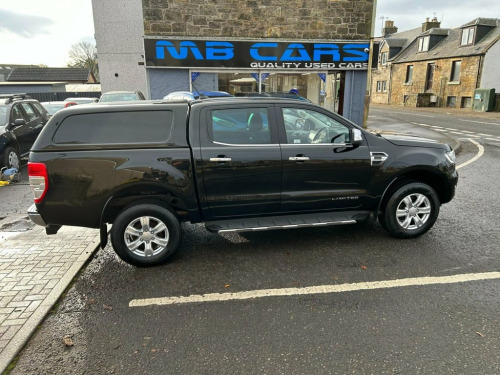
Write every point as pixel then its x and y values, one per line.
pixel 240 126
pixel 409 74
pixel 466 102
pixel 451 101
pixel 455 71
pixel 467 36
pixel 423 44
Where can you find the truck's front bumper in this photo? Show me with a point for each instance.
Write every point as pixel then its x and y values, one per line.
pixel 35 216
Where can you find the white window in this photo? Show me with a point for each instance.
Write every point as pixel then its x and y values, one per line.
pixel 467 36
pixel 423 44
pixel 384 58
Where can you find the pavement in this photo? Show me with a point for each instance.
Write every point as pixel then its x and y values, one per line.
pixel 36 269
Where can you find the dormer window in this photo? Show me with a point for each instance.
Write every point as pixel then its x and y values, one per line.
pixel 423 44
pixel 384 58
pixel 467 37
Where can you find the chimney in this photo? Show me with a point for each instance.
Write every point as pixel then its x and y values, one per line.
pixel 427 25
pixel 389 28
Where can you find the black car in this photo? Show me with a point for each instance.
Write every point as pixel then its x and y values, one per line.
pixel 21 120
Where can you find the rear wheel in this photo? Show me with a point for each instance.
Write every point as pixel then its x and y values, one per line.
pixel 145 235
pixel 411 210
pixel 11 158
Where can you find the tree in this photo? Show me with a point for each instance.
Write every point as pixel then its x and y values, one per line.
pixel 84 55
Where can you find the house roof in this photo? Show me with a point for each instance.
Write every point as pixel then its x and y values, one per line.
pixel 483 22
pixel 49 74
pixel 401 40
pixel 450 46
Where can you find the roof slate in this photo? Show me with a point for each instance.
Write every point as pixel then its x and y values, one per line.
pixel 450 46
pixel 49 74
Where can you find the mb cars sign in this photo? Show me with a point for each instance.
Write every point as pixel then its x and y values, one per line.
pixel 267 55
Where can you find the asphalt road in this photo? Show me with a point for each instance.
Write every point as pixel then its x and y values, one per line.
pixel 451 328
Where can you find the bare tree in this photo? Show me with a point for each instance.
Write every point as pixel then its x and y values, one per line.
pixel 84 55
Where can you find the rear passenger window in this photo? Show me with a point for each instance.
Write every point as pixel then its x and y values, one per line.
pixel 115 127
pixel 241 126
pixel 29 111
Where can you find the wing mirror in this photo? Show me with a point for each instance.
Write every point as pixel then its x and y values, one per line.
pixel 19 122
pixel 356 137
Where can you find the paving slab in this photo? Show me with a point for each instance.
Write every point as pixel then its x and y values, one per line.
pixel 35 269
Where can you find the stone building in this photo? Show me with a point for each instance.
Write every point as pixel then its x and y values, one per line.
pixel 443 67
pixel 319 47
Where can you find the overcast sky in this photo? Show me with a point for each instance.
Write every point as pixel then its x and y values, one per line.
pixel 42 31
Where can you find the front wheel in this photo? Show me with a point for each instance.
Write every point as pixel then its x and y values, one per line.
pixel 411 210
pixel 11 158
pixel 145 235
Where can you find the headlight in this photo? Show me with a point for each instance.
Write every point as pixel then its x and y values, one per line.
pixel 450 156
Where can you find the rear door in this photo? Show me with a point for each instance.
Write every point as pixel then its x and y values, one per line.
pixel 321 172
pixel 22 132
pixel 240 161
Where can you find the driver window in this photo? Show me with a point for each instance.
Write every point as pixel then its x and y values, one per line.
pixel 309 127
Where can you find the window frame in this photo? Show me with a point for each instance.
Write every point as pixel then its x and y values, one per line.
pixel 409 74
pixel 470 32
pixel 383 58
pixel 423 43
pixel 454 76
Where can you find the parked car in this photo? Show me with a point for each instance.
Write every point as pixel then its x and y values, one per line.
pixel 82 100
pixel 53 107
pixel 121 96
pixel 190 96
pixel 21 120
pixel 236 165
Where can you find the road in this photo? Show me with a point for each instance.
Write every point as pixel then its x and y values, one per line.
pixel 434 312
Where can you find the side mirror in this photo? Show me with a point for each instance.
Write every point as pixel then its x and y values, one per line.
pixel 357 137
pixel 18 122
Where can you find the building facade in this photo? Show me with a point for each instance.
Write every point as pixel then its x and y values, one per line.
pixel 439 67
pixel 319 47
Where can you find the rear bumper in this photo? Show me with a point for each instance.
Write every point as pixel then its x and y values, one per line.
pixel 35 216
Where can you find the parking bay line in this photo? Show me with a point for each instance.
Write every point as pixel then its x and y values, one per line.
pixel 322 289
pixel 480 153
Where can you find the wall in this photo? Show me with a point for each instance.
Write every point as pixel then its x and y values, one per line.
pixel 118 30
pixel 491 69
pixel 382 73
pixel 441 85
pixel 292 19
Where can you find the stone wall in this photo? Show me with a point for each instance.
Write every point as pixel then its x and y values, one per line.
pixel 287 19
pixel 442 87
pixel 381 74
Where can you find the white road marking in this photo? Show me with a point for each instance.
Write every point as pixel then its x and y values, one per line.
pixel 485 135
pixel 480 122
pixel 493 139
pixel 479 154
pixel 322 289
pixel 412 114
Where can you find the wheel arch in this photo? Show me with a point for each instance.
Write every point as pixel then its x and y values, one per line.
pixel 434 180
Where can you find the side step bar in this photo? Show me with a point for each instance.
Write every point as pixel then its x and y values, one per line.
pixel 286 222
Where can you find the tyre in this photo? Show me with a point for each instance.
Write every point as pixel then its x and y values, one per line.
pixel 11 158
pixel 145 235
pixel 411 210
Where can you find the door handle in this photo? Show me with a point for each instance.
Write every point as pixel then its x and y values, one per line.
pixel 220 159
pixel 298 158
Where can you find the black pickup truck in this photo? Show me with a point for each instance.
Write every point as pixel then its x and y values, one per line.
pixel 234 164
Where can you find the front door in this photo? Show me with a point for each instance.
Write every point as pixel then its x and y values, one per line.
pixel 240 161
pixel 321 172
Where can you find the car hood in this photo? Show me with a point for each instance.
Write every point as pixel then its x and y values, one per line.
pixel 406 140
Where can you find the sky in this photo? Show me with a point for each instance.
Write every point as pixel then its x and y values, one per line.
pixel 43 31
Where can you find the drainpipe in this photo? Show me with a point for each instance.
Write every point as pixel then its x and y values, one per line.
pixel 369 75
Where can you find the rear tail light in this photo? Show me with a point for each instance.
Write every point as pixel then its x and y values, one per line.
pixel 39 180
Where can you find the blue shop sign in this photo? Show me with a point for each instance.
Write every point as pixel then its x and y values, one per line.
pixel 267 55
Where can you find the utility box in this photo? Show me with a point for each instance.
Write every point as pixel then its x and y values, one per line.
pixel 484 100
